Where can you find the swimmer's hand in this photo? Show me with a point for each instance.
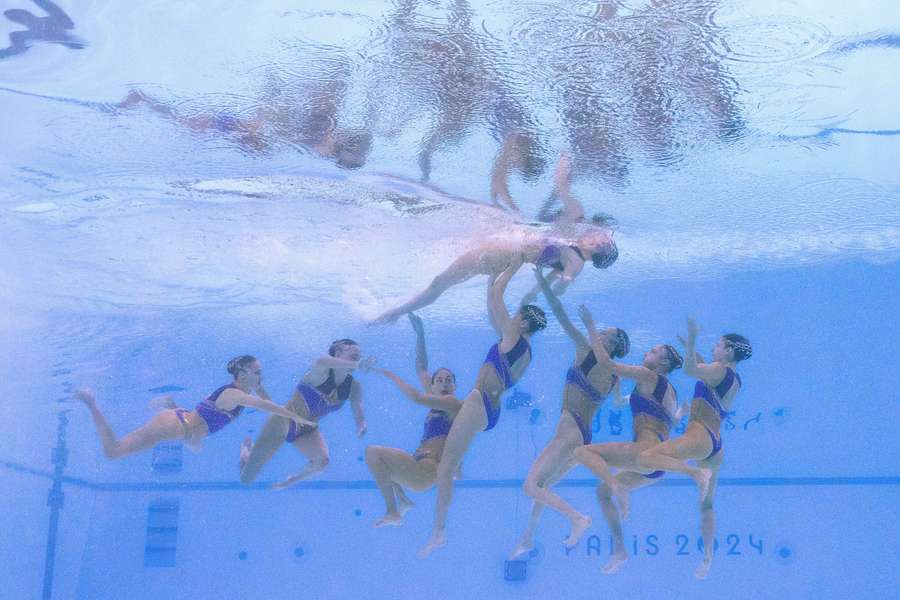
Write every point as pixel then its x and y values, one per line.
pixel 302 420
pixel 416 322
pixel 361 429
pixel 692 328
pixel 585 315
pixel 367 364
pixel 85 395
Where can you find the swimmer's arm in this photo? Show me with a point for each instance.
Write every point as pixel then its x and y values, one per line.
pixel 497 307
pixel 421 350
pixel 560 313
pixel 238 398
pixel 640 374
pixel 618 399
pixel 711 373
pixel 445 403
pixel 56 12
pixel 552 277
pixel 333 362
pixel 573 211
pixel 571 270
pixel 356 405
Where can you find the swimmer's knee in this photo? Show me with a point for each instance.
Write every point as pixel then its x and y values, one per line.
pixel 581 453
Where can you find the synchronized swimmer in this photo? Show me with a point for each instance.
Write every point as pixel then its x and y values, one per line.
pixel 452 423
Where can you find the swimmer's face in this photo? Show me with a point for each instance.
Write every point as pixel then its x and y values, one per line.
pixel 348 352
pixel 251 374
pixel 656 357
pixel 594 239
pixel 722 352
pixel 443 383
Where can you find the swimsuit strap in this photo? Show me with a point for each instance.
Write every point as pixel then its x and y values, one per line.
pixel 726 383
pixel 327 386
pixel 588 363
pixel 343 390
pixel 578 252
pixel 517 351
pixel 662 386
pixel 580 380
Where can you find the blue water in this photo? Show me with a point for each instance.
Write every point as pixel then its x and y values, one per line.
pixel 748 154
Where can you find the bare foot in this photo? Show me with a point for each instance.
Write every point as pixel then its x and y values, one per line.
pixel 623 498
pixel 389 519
pixel 703 478
pixel 246 448
pixel 702 571
pixel 524 547
pixel 579 526
pixel 436 540
pixel 615 563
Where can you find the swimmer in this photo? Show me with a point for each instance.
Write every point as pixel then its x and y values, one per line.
pixel 321 391
pixel 211 415
pixel 395 469
pixel 565 259
pixel 315 130
pixel 505 363
pixel 702 440
pixel 588 382
pixel 653 404
pixel 52 28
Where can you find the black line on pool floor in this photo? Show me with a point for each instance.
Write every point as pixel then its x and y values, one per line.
pixel 367 484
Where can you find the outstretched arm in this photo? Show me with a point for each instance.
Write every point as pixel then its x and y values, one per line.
pixel 558 310
pixel 446 403
pixel 240 398
pixel 421 350
pixel 497 307
pixel 333 362
pixel 641 374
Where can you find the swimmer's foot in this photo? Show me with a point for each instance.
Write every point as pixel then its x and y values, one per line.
pixel 702 479
pixel 246 449
pixel 579 526
pixel 616 562
pixel 623 498
pixel 436 540
pixel 524 547
pixel 389 519
pixel 702 570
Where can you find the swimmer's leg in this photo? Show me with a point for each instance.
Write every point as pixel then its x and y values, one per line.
pixel 311 445
pixel 600 457
pixel 671 454
pixel 627 481
pixel 254 455
pixel 164 426
pixel 708 518
pixel 462 269
pixel 392 468
pixel 554 458
pixel 468 422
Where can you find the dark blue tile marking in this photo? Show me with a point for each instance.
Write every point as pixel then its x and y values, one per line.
pixel 366 484
pixel 167 388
